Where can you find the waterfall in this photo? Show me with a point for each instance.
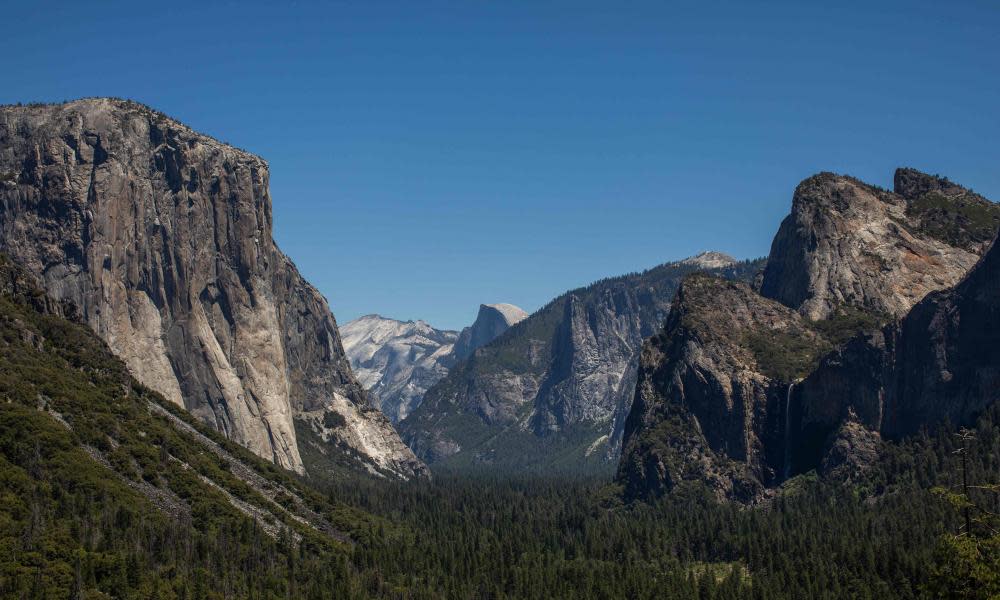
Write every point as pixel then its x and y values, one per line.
pixel 788 431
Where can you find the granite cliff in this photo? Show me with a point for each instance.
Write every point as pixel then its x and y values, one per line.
pixel 710 399
pixel 162 238
pixel 850 243
pixel 939 362
pixel 742 390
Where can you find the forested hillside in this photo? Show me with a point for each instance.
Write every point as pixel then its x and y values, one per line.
pixel 110 492
pixel 893 534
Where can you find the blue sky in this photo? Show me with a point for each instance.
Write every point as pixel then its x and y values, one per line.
pixel 429 156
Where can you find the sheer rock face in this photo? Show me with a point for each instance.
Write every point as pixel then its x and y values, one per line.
pixel 490 323
pixel 162 238
pixel 849 243
pixel 807 399
pixel 846 387
pixel 397 361
pixel 558 384
pixel 705 407
pixel 946 360
pixel 940 362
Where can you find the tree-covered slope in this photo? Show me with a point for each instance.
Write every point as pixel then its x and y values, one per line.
pixel 111 491
pixel 887 535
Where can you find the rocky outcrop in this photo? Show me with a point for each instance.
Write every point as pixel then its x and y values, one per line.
pixel 162 238
pixel 709 260
pixel 819 387
pixel 397 361
pixel 939 363
pixel 548 391
pixel 711 400
pixel 851 450
pixel 850 243
pixel 490 323
pixel 894 380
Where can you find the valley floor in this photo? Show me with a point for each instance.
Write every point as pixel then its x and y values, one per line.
pixel 888 536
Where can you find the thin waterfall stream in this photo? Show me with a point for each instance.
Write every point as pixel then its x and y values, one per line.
pixel 788 431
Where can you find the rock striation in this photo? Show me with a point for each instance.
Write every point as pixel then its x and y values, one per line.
pixel 553 391
pixel 743 390
pixel 162 237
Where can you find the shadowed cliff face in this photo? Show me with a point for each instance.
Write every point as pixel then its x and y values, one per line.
pixel 941 361
pixel 947 353
pixel 710 403
pixel 820 386
pixel 162 237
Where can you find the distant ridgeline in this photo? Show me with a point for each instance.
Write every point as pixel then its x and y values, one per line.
pixel 551 393
pixel 397 361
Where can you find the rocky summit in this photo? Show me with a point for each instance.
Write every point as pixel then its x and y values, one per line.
pixel 162 238
pixel 492 320
pixel 870 321
pixel 710 398
pixel 554 390
pixel 850 243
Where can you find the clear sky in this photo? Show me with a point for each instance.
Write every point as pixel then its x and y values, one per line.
pixel 427 157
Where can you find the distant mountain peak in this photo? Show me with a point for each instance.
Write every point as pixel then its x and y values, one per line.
pixel 511 313
pixel 492 320
pixel 709 260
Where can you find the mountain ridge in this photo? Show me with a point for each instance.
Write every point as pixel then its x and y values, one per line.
pixel 397 361
pixel 556 386
pixel 798 379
